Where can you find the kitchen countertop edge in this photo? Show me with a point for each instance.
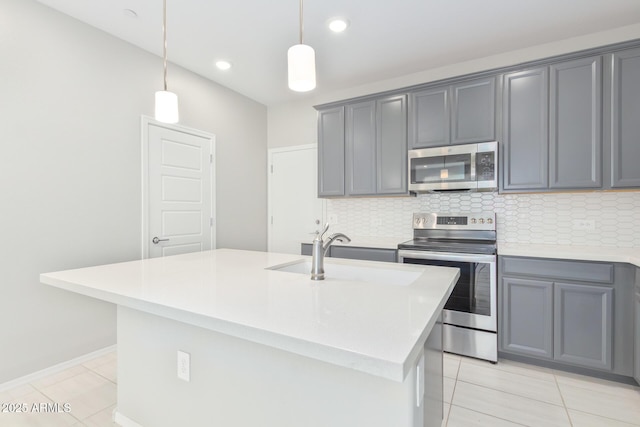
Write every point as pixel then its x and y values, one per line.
pixel 572 252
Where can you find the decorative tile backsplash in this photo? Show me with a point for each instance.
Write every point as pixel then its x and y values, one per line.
pixel 547 218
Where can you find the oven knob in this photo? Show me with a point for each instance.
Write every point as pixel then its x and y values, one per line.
pixel 473 221
pixel 489 221
pixel 481 220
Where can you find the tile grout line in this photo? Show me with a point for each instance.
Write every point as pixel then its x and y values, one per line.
pixel 455 385
pixel 564 404
pixel 489 415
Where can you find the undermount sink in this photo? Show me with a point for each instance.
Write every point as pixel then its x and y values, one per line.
pixel 380 275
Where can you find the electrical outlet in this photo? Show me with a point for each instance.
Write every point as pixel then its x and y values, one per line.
pixel 584 224
pixel 184 366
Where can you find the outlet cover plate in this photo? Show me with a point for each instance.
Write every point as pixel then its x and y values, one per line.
pixel 184 366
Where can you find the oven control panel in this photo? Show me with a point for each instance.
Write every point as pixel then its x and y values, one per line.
pixel 467 221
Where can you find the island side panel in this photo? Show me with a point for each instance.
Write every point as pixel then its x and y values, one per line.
pixel 434 377
pixel 239 383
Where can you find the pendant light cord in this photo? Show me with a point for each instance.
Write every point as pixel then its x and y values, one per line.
pixel 301 20
pixel 164 38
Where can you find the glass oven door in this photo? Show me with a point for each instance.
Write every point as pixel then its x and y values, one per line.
pixel 473 301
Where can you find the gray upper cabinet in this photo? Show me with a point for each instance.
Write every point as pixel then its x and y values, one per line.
pixel 552 127
pixel 583 325
pixel 575 137
pixel 429 119
pixel 453 114
pixel 391 145
pixel 473 111
pixel 361 148
pixel 526 127
pixel 625 119
pixel 331 152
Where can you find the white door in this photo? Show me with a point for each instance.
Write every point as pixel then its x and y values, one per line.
pixel 294 208
pixel 178 190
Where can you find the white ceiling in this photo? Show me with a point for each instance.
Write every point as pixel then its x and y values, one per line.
pixel 386 38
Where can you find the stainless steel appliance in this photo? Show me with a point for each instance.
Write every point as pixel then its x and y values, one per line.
pixel 468 242
pixel 467 167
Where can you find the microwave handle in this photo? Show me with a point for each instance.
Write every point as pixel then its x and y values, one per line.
pixel 473 166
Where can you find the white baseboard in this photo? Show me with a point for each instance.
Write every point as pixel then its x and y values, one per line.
pixel 123 420
pixel 55 369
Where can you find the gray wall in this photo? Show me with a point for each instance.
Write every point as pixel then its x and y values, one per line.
pixel 71 98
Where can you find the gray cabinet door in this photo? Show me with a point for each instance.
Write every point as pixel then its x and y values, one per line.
pixel 360 130
pixel 527 317
pixel 625 119
pixel 583 317
pixel 575 138
pixel 473 111
pixel 331 152
pixel 391 145
pixel 368 254
pixel 429 118
pixel 636 363
pixel 525 130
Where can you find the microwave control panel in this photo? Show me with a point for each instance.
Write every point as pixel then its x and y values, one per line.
pixel 486 166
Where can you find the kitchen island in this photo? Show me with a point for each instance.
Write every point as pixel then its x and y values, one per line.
pixel 271 347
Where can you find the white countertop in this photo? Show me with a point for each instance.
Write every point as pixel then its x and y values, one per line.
pixel 371 327
pixel 583 253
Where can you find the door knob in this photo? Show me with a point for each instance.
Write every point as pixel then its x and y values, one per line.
pixel 156 240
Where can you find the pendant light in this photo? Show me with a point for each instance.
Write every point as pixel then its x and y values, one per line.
pixel 302 64
pixel 166 102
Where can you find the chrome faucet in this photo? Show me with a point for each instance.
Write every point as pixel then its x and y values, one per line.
pixel 320 248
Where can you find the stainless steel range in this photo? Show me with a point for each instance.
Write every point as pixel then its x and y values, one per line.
pixel 468 242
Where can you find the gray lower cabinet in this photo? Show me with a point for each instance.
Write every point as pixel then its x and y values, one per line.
pixel 625 123
pixel 527 313
pixel 453 114
pixel 331 152
pixel 636 363
pixel 583 317
pixel 562 311
pixel 575 128
pixel 351 252
pixel 636 357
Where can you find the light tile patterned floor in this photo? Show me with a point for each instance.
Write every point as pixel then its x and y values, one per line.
pixel 476 393
pixel 89 389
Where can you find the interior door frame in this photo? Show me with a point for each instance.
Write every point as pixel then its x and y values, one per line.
pixel 145 121
pixel 270 154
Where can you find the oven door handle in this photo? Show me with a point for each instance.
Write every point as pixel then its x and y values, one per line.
pixel 445 256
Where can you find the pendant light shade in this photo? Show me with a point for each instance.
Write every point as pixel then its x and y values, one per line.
pixel 167 107
pixel 302 63
pixel 302 68
pixel 166 102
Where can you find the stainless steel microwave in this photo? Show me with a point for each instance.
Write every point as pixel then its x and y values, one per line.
pixel 467 167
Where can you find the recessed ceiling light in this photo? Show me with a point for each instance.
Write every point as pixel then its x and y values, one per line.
pixel 223 65
pixel 338 25
pixel 130 13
